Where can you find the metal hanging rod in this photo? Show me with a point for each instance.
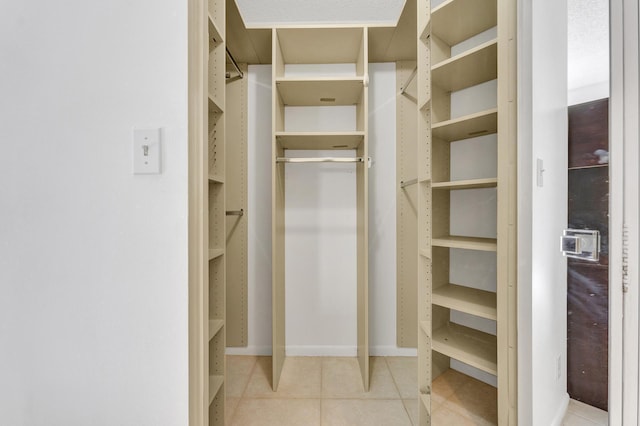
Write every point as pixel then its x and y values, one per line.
pixel 235 212
pixel 320 160
pixel 405 183
pixel 411 77
pixel 235 64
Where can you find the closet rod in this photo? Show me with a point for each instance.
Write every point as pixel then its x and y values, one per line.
pixel 411 77
pixel 235 212
pixel 405 183
pixel 235 64
pixel 320 160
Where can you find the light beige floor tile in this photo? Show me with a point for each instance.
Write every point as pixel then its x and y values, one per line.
pixel 588 412
pixel 475 400
pixel 358 412
pixel 571 419
pixel 301 378
pixel 341 379
pixel 277 412
pixel 405 374
pixel 446 417
pixel 413 409
pixel 231 404
pixel 238 372
pixel 447 383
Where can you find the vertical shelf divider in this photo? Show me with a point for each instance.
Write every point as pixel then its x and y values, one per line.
pixel 215 284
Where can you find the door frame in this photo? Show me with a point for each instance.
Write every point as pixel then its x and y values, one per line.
pixel 197 196
pixel 623 272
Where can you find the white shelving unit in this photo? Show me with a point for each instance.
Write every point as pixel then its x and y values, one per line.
pixel 317 47
pixel 441 29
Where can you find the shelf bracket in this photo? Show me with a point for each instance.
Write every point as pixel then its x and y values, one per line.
pixel 235 65
pixel 404 87
pixel 405 183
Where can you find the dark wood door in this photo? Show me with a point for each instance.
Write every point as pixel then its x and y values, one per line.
pixel 588 282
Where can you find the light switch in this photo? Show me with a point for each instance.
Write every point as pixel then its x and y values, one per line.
pixel 146 151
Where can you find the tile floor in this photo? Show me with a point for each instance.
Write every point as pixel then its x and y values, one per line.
pixel 579 414
pixel 327 391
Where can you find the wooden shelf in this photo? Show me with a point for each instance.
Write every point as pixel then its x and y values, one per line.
pixel 216 179
pixel 466 184
pixel 426 402
pixel 321 45
pixel 464 299
pixel 425 104
pixel 467 345
pixel 468 69
pixel 469 243
pixel 424 326
pixel 425 30
pixel 215 253
pixel 215 384
pixel 470 126
pixel 320 140
pixel 215 35
pixel 457 20
pixel 320 92
pixel 214 327
pixel 424 253
pixel 214 104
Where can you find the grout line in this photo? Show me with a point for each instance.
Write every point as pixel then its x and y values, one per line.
pixel 392 377
pixel 246 385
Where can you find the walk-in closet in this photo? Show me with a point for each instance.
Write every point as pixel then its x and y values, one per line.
pixel 360 195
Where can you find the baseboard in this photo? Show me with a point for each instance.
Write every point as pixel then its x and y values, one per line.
pixel 392 351
pixel 562 411
pixel 323 351
pixel 250 350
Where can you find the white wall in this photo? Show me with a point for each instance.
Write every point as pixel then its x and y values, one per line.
pixel 542 211
pixel 93 260
pixel 320 267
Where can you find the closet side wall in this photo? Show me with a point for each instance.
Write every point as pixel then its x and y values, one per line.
pixel 236 127
pixel 407 207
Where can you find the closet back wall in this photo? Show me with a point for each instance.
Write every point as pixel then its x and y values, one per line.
pixel 321 204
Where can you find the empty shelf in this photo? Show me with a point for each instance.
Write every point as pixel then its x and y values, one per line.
pixel 469 126
pixel 469 243
pixel 425 327
pixel 214 327
pixel 464 299
pixel 426 402
pixel 215 383
pixel 321 45
pixel 320 140
pixel 468 69
pixel 215 253
pixel 214 104
pixel 457 20
pixel 425 253
pixel 320 92
pixel 216 179
pixel 466 184
pixel 215 36
pixel 467 345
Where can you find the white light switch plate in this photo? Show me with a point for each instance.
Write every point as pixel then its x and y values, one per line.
pixel 146 151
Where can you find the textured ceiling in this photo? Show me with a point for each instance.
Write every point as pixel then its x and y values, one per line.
pixel 588 42
pixel 265 13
